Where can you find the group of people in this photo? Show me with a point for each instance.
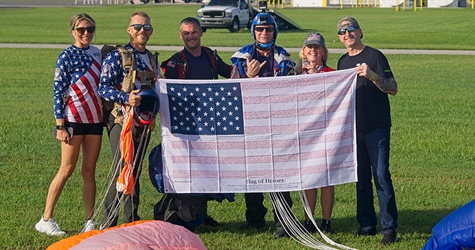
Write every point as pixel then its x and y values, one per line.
pixel 82 78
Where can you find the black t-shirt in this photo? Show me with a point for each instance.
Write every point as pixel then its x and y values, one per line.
pixel 183 65
pixel 372 105
pixel 199 66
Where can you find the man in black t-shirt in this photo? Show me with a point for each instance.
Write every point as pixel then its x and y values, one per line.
pixel 373 123
pixel 195 62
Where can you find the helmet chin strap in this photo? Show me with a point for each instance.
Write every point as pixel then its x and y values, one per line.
pixel 265 45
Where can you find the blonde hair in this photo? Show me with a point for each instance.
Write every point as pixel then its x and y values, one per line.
pixel 299 68
pixel 76 19
pixel 139 13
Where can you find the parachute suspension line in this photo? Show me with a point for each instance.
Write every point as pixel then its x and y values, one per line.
pixel 138 160
pixel 111 176
pixel 114 209
pixel 309 239
pixel 294 228
pixel 303 197
pixel 118 158
pixel 306 206
pixel 98 208
pixel 292 225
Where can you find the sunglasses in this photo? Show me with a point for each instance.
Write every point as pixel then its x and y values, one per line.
pixel 138 27
pixel 89 29
pixel 261 29
pixel 349 29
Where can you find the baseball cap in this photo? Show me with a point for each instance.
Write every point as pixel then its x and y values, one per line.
pixel 314 38
pixel 351 22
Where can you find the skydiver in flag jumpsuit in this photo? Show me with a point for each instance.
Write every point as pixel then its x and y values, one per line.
pixel 110 88
pixel 262 59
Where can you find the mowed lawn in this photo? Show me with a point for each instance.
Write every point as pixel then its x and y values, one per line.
pixel 432 153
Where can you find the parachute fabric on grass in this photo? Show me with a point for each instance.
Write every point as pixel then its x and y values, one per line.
pixel 150 234
pixel 455 231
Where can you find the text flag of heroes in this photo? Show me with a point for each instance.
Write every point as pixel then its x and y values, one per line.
pixel 258 135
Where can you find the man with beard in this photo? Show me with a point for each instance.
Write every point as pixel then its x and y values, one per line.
pixel 195 62
pixel 126 91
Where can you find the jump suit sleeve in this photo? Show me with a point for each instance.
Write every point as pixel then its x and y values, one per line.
pixel 170 69
pixel 112 75
pixel 61 84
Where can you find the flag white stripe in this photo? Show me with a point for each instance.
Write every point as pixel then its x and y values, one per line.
pixel 259 144
pixel 294 127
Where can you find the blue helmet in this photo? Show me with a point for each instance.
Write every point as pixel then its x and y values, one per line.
pixel 148 108
pixel 264 19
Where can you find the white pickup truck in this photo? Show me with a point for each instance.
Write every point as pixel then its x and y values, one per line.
pixel 228 14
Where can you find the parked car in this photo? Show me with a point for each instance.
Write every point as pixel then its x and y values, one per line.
pixel 226 14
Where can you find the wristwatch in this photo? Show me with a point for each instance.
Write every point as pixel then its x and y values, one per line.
pixel 59 126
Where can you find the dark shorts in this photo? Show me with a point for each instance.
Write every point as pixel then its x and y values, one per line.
pixel 85 129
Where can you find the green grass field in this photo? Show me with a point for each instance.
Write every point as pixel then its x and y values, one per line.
pixel 432 154
pixel 383 28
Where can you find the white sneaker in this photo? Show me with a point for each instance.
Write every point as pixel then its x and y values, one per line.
pixel 88 226
pixel 49 227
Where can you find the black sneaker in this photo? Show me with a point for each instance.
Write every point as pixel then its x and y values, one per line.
pixel 326 226
pixel 209 221
pixel 309 226
pixel 280 232
pixel 254 225
pixel 389 238
pixel 369 231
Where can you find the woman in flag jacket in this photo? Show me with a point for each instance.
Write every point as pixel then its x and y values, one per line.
pixel 78 113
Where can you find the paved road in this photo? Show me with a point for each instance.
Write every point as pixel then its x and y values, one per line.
pixel 232 49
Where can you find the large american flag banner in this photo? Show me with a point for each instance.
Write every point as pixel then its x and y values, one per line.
pixel 258 135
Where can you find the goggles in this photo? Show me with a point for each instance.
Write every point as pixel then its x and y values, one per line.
pixel 89 29
pixel 349 29
pixel 261 29
pixel 138 27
